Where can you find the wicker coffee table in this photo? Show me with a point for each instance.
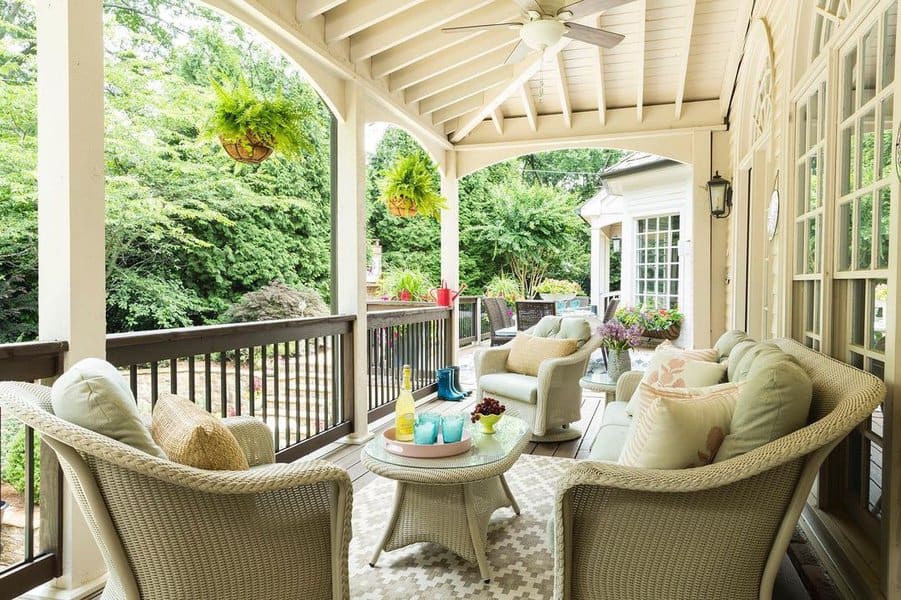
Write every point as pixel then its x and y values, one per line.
pixel 449 501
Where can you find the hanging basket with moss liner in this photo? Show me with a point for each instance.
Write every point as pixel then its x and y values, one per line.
pixel 670 333
pixel 401 207
pixel 409 188
pixel 248 150
pixel 250 129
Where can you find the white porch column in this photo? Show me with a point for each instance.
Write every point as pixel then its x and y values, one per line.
pixel 71 265
pixel 350 231
pixel 699 312
pixel 600 267
pixel 450 242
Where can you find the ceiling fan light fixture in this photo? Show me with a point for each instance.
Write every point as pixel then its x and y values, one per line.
pixel 540 34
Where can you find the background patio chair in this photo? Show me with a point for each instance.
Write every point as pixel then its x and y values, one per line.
pixel 718 531
pixel 498 318
pixel 548 402
pixel 529 312
pixel 166 530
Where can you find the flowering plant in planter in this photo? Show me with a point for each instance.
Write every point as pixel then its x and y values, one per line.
pixel 618 337
pixel 654 322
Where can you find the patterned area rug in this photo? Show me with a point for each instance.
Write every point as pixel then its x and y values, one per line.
pixel 521 562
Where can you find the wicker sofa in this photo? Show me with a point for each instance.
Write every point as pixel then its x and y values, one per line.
pixel 170 531
pixel 548 402
pixel 718 531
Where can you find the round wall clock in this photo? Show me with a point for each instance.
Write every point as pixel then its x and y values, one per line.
pixel 772 215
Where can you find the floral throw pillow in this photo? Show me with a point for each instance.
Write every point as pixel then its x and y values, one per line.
pixel 677 369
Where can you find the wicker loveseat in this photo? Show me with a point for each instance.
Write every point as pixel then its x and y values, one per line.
pixel 718 531
pixel 548 402
pixel 171 531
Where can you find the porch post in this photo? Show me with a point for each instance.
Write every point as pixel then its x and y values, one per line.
pixel 600 267
pixel 71 214
pixel 350 232
pixel 700 242
pixel 450 245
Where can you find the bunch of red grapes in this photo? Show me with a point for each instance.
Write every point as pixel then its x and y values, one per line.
pixel 488 406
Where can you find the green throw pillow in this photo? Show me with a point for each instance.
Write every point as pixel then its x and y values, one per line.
pixel 93 395
pixel 738 352
pixel 574 328
pixel 774 401
pixel 728 341
pixel 548 326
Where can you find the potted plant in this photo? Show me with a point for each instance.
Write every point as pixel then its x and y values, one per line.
pixel 487 413
pixel 250 129
pixel 658 323
pixel 558 289
pixel 408 188
pixel 618 339
pixel 405 285
pixel 506 287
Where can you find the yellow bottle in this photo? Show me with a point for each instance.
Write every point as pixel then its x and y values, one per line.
pixel 404 410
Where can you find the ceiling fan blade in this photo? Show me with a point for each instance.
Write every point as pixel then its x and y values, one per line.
pixel 586 8
pixel 590 35
pixel 486 26
pixel 527 5
pixel 520 52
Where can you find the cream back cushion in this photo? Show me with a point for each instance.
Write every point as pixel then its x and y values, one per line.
pixel 528 352
pixel 678 432
pixel 93 394
pixel 191 436
pixel 672 367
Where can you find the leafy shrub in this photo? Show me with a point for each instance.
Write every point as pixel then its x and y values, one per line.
pixel 414 281
pixel 558 286
pixel 506 287
pixel 277 301
pixel 12 471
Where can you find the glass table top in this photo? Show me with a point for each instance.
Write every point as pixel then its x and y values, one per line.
pixel 486 448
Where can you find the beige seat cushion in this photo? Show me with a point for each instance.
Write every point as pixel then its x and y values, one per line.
pixel 608 445
pixel 510 385
pixel 615 414
pixel 676 432
pixel 191 436
pixel 93 394
pixel 528 352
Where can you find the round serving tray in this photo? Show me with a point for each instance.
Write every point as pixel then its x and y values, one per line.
pixel 439 450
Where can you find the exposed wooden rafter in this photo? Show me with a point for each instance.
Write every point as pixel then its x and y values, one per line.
pixel 431 43
pixel 425 17
pixel 497 117
pixel 310 9
pixel 464 90
pixel 457 109
pixel 523 71
pixel 642 48
pixel 528 103
pixel 455 77
pixel 565 104
pixel 686 52
pixel 496 44
pixel 354 16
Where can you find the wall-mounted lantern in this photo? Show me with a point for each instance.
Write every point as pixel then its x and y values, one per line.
pixel 720 191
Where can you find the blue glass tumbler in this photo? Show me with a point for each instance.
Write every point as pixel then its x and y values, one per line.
pixel 425 432
pixel 452 428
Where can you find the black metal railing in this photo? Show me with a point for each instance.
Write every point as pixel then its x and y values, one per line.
pixel 293 374
pixel 418 337
pixel 31 555
pixel 470 320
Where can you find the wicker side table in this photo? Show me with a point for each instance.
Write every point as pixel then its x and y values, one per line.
pixel 601 384
pixel 450 501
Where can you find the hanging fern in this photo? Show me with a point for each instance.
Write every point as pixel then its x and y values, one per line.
pixel 410 179
pixel 241 117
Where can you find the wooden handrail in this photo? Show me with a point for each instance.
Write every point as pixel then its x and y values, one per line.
pixel 29 361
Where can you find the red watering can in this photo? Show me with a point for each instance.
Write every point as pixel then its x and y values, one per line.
pixel 444 296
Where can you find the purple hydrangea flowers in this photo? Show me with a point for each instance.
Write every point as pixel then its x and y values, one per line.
pixel 616 336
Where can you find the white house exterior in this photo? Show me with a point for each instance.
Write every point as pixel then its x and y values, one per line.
pixel 645 201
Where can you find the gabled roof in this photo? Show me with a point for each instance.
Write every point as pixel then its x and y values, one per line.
pixel 635 162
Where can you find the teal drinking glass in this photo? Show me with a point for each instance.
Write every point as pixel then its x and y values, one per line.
pixel 431 417
pixel 425 432
pixel 452 428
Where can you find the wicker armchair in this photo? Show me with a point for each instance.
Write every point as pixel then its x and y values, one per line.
pixel 498 318
pixel 170 531
pixel 718 531
pixel 548 402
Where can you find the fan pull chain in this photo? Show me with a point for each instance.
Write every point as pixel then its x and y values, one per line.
pixel 541 84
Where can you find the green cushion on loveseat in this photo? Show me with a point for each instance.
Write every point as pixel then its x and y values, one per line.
pixel 774 400
pixel 728 341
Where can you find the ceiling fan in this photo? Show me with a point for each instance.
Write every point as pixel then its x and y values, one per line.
pixel 544 25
